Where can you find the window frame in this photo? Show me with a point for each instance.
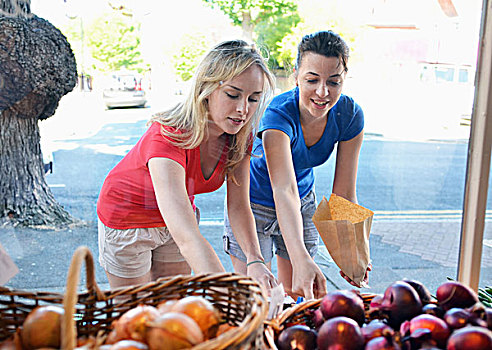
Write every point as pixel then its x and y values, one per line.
pixel 478 161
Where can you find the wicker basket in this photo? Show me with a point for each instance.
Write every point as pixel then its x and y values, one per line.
pixel 239 299
pixel 299 314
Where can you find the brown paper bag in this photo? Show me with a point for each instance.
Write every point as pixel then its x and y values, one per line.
pixel 344 228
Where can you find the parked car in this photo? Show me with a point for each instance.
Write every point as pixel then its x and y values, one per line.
pixel 124 90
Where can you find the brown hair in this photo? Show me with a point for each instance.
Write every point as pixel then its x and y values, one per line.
pixel 326 43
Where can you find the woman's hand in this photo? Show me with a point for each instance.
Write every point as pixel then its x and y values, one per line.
pixel 364 281
pixel 262 274
pixel 308 280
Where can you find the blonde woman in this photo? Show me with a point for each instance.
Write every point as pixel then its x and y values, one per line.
pixel 148 221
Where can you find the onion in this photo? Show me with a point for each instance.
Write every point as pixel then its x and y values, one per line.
pixel 455 294
pixel 91 343
pixel 421 289
pixel 317 318
pixel 457 317
pixel 104 347
pixel 375 329
pixel 375 306
pixel 470 338
pixel 173 330
pixel 438 328
pixel 340 332
pixel 166 306
pixel 42 327
pixel 488 317
pixel 343 303
pixel 86 341
pixel 7 345
pixel 297 337
pixel 12 343
pixel 112 337
pixel 202 311
pixel 400 303
pixel 383 342
pixel 224 327
pixel 433 309
pixel 480 316
pixel 129 345
pixel 133 323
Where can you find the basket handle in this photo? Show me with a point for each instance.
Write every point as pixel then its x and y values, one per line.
pixel 69 332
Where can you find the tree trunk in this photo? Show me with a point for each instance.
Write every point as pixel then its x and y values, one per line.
pixel 37 67
pixel 25 197
pixel 247 26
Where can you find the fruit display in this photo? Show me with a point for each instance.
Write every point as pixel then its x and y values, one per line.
pixel 172 324
pixel 405 317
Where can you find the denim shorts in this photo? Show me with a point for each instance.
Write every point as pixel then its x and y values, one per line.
pixel 269 233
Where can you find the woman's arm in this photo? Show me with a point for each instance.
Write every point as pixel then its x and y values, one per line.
pixel 344 183
pixel 243 224
pixel 168 179
pixel 306 274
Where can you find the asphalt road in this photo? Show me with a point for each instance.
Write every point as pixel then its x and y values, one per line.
pixel 414 188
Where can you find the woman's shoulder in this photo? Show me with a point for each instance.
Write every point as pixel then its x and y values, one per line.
pixel 349 117
pixel 158 141
pixel 162 134
pixel 156 127
pixel 164 130
pixel 346 101
pixel 347 105
pixel 285 106
pixel 285 100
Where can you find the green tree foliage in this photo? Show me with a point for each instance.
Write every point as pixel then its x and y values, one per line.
pixel 264 21
pixel 318 15
pixel 74 32
pixel 187 56
pixel 271 32
pixel 252 11
pixel 114 43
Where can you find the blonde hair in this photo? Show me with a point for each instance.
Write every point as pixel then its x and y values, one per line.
pixel 224 62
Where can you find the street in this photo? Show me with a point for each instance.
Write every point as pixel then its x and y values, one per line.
pixel 415 189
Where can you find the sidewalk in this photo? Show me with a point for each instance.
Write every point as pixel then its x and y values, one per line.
pixel 43 257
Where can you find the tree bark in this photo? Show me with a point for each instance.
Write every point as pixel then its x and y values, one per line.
pixel 247 26
pixel 37 67
pixel 25 197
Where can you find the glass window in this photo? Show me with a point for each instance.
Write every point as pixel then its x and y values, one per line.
pixel 463 76
pixel 444 74
pixel 486 265
pixel 412 164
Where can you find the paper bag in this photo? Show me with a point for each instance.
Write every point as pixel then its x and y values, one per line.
pixel 344 228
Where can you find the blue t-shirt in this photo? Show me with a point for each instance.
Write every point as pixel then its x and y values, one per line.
pixel 345 121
